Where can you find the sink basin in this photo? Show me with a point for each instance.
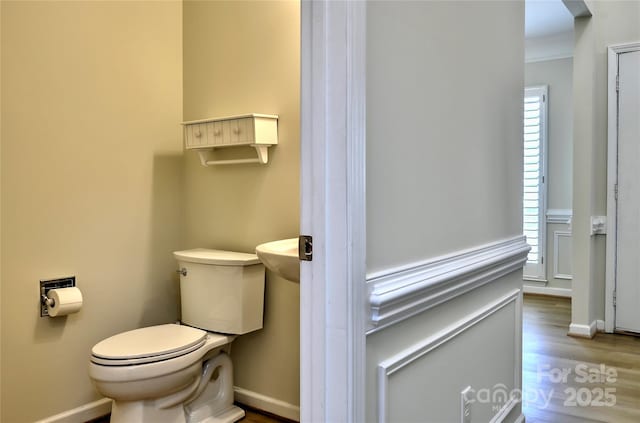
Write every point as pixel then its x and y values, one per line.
pixel 281 257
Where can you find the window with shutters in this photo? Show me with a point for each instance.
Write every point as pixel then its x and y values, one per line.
pixel 533 204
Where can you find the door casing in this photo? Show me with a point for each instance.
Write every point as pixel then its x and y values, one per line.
pixel 333 300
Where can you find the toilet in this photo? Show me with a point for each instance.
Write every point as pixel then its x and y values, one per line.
pixel 182 373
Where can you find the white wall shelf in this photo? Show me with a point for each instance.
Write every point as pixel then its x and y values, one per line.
pixel 254 130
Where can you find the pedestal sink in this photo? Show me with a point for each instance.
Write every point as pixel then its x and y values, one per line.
pixel 281 257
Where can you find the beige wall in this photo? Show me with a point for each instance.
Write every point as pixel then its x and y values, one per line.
pixel 436 129
pixel 91 178
pixel 612 22
pixel 0 211
pixel 243 57
pixel 557 74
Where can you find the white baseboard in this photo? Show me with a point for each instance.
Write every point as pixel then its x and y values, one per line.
pixel 600 325
pixel 81 414
pixel 583 331
pixel 268 404
pixel 546 290
pixel 102 407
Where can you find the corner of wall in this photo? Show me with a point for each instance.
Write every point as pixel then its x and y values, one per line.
pixel 1 319
pixel 1 211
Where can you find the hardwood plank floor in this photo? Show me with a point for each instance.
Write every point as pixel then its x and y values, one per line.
pixel 547 351
pixel 597 372
pixel 252 416
pixel 255 416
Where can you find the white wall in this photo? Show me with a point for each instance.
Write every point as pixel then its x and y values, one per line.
pixel 91 186
pixel 554 46
pixel 612 22
pixel 444 157
pixel 558 76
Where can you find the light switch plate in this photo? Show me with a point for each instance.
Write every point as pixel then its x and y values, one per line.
pixel 598 225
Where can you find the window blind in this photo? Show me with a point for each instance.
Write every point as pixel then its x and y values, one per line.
pixel 533 178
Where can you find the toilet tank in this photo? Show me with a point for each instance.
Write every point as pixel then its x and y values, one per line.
pixel 221 291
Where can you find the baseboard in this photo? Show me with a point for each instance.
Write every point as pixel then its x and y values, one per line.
pixel 265 403
pixel 546 290
pixel 102 407
pixel 583 331
pixel 600 325
pixel 520 419
pixel 81 414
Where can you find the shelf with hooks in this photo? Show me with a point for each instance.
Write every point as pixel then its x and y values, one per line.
pixel 254 130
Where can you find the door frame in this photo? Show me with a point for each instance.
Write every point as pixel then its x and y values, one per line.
pixel 612 179
pixel 333 292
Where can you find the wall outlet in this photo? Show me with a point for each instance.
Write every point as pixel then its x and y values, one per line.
pixel 465 405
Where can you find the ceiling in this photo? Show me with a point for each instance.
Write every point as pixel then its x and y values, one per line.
pixel 544 18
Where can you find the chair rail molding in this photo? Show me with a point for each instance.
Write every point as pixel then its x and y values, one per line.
pixel 398 293
pixel 559 215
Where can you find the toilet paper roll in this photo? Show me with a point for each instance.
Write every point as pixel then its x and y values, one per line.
pixel 65 301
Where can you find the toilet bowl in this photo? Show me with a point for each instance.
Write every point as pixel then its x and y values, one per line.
pixel 177 373
pixel 167 373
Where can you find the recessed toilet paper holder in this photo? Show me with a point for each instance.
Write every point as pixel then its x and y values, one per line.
pixel 49 284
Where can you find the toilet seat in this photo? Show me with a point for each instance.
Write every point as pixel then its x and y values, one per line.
pixel 148 345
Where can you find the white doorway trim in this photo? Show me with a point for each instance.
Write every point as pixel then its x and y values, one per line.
pixel 332 285
pixel 612 179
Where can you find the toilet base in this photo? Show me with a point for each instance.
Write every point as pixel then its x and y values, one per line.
pixel 143 411
pixel 209 399
pixel 233 414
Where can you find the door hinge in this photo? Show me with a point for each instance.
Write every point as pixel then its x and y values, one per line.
pixel 541 260
pixel 615 298
pixel 618 82
pixel 305 248
pixel 615 191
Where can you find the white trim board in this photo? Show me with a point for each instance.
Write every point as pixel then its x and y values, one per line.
pixel 268 404
pixel 583 331
pixel 547 58
pixel 404 358
pixel 398 293
pixel 332 210
pixel 83 413
pixel 547 290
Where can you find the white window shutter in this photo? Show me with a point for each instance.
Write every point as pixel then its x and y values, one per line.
pixel 533 204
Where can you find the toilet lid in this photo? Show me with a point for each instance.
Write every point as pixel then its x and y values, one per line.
pixel 148 344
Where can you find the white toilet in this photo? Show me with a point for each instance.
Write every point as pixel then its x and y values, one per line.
pixel 183 373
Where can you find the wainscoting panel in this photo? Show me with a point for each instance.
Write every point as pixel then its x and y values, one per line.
pixel 483 346
pixel 562 263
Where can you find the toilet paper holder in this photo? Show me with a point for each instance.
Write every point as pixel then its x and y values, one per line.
pixel 49 284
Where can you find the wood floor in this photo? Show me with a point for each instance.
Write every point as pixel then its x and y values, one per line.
pixel 599 371
pixel 252 416
pixel 547 352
